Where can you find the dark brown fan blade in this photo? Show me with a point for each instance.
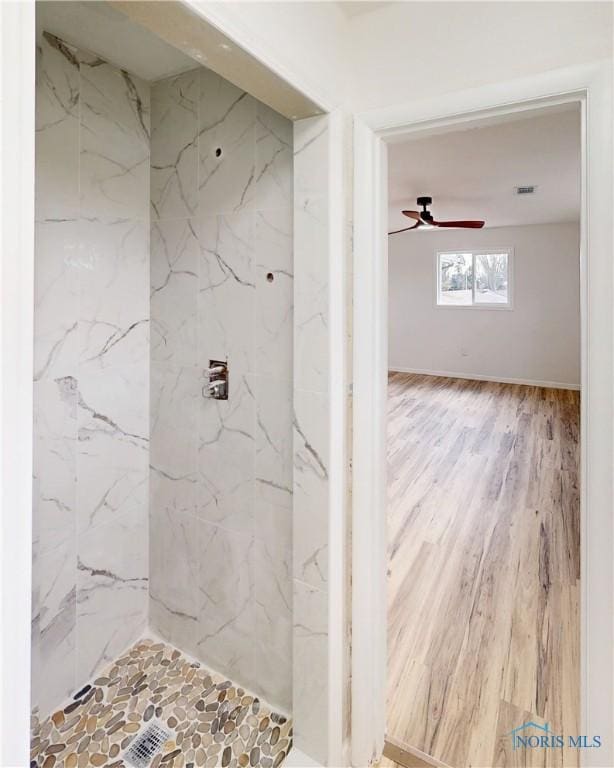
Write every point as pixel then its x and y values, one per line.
pixel 463 224
pixel 412 215
pixel 406 229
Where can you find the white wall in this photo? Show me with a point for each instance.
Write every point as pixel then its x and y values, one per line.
pixel 303 42
pixel 538 340
pixel 408 50
pixel 17 128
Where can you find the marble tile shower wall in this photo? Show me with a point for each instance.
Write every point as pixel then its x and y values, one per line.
pixel 91 377
pixel 221 471
pixel 311 429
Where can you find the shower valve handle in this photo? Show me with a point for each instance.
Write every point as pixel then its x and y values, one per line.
pixel 217 387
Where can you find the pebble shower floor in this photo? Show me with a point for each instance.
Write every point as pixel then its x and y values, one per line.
pixel 212 721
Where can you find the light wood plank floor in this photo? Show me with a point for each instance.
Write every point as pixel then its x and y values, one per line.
pixel 484 568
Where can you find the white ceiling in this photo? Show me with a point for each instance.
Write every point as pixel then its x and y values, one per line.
pixel 472 173
pixel 97 27
pixel 160 39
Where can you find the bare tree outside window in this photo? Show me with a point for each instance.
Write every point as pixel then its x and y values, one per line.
pixel 470 279
pixel 491 278
pixel 456 278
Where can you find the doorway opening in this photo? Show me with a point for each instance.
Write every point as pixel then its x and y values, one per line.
pixel 376 134
pixel 483 438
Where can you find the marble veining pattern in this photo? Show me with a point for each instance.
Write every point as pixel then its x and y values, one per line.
pixel 227 289
pixel 114 142
pixel 226 146
pixel 56 298
pixel 212 721
pixel 112 586
pixel 175 257
pixel 55 434
pixel 57 131
pixel 226 459
pixel 113 445
pixel 311 257
pixel 310 488
pixel 91 369
pixel 114 318
pixel 125 440
pixel 310 679
pixel 174 145
pixel 176 398
pixel 222 274
pixel 274 300
pixel 310 449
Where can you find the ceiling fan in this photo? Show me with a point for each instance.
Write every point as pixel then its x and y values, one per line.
pixel 425 218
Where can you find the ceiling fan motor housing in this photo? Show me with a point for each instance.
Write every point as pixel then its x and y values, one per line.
pixel 424 201
pixel 425 218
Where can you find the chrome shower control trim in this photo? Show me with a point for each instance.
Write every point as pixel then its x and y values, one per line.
pixel 217 373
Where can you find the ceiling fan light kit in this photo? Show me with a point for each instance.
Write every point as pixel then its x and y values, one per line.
pixel 424 218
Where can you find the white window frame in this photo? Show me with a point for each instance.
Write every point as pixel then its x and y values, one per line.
pixel 480 305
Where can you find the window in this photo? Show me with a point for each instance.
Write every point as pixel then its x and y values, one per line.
pixel 478 279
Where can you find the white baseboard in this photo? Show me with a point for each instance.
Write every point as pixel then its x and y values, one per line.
pixel 479 377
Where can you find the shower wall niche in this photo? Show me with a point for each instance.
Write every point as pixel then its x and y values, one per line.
pixel 163 241
pixel 222 289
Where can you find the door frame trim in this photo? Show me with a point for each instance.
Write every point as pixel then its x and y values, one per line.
pixel 408 757
pixel 591 86
pixel 17 57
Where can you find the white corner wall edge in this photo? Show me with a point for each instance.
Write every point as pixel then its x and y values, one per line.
pixel 298 759
pixel 229 21
pixel 17 49
pixel 480 377
pixel 369 529
pixel 338 445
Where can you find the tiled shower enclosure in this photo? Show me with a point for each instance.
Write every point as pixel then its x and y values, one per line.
pixel 163 241
pixel 221 289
